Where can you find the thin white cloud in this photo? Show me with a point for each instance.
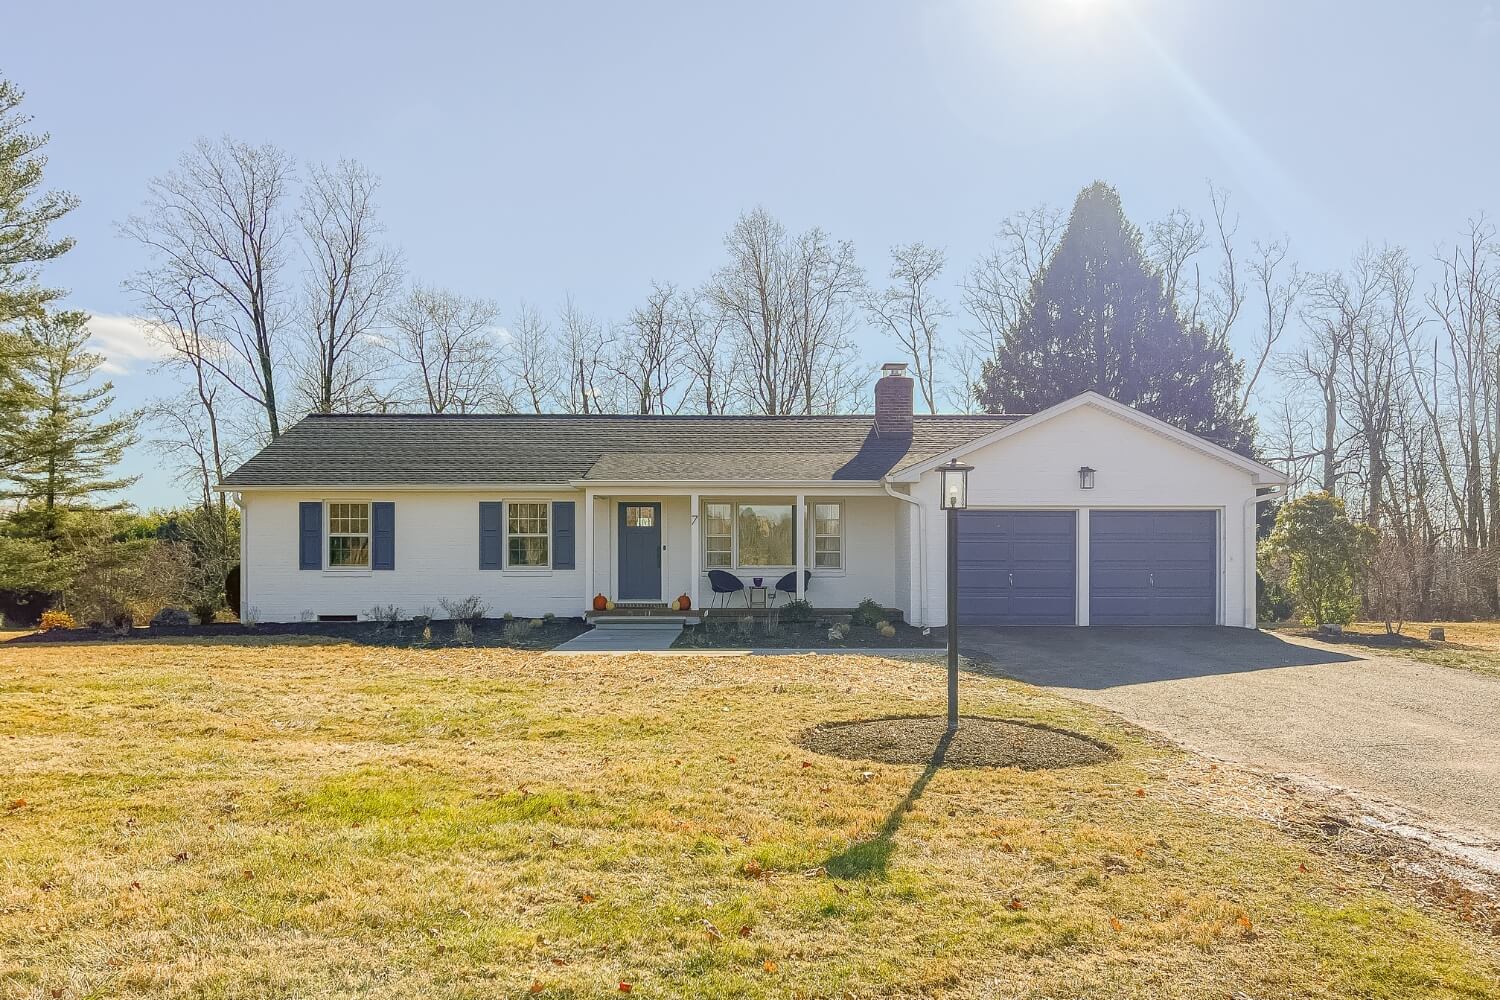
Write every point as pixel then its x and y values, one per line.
pixel 124 343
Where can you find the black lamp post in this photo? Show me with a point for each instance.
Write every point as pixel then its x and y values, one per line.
pixel 955 485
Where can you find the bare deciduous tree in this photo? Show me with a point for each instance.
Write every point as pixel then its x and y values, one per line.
pixel 444 341
pixel 529 360
pixel 910 310
pixel 788 303
pixel 705 353
pixel 221 218
pixel 350 279
pixel 648 354
pixel 997 290
pixel 587 385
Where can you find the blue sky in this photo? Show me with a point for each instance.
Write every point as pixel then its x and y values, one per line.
pixel 531 150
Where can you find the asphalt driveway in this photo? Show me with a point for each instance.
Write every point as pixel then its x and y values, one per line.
pixel 1420 736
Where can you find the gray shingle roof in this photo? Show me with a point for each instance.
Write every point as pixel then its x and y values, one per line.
pixel 443 450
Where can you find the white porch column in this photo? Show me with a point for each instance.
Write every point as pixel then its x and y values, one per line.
pixel 694 546
pixel 801 546
pixel 588 550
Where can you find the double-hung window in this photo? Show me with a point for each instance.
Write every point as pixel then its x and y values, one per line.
pixel 718 535
pixel 527 538
pixel 828 536
pixel 348 536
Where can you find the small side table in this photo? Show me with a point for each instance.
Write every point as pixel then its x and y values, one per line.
pixel 757 596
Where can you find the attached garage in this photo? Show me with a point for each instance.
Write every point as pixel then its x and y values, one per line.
pixel 1017 567
pixel 1153 567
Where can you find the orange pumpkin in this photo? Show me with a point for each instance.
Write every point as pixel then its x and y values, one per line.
pixel 684 603
pixel 600 602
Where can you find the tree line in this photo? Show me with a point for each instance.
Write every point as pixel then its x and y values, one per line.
pixel 274 290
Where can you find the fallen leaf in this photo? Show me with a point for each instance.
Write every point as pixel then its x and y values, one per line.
pixel 807 763
pixel 536 986
pixel 1114 923
pixel 770 966
pixel 745 930
pixel 587 897
pixel 1016 904
pixel 17 804
pixel 1140 793
pixel 1243 921
pixel 180 856
pixel 753 868
pixel 626 987
pixel 1302 868
pixel 713 932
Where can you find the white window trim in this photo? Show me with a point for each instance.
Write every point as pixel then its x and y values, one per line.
pixel 328 568
pixel 506 536
pixel 806 533
pixel 733 549
pixel 812 539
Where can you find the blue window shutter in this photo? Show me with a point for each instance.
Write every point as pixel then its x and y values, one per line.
pixel 562 534
pixel 310 535
pixel 490 539
pixel 383 535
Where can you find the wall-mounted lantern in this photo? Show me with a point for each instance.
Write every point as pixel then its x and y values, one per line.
pixel 1086 478
pixel 955 477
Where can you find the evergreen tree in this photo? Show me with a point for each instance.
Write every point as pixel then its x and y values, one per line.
pixel 1100 319
pixel 26 215
pixel 69 445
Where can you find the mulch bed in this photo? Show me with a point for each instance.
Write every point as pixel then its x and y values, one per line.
pixel 724 632
pixel 979 742
pixel 489 632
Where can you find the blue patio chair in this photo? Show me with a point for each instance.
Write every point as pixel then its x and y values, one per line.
pixel 788 584
pixel 725 585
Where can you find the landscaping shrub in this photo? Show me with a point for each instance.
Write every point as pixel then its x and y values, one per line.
pixel 868 613
pixel 517 629
pixel 471 609
pixel 797 611
pixel 746 625
pixel 1318 555
pixel 463 634
pixel 389 615
pixel 56 619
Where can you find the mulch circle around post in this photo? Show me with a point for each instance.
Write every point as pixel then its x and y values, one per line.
pixel 978 742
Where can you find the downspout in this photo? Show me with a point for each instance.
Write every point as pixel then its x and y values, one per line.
pixel 921 547
pixel 239 501
pixel 1251 521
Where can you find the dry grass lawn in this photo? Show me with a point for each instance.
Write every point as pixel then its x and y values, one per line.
pixel 1469 645
pixel 276 818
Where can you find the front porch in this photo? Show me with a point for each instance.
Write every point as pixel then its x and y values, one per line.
pixel 643 549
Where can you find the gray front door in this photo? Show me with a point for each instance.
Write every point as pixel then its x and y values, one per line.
pixel 640 551
pixel 1153 567
pixel 1017 567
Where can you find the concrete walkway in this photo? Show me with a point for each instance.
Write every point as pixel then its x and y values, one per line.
pixel 633 639
pixel 1416 735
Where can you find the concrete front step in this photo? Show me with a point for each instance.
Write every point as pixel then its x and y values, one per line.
pixel 641 621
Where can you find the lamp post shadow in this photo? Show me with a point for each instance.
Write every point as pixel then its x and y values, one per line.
pixel 871 858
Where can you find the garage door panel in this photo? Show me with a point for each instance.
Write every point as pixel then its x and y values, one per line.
pixel 1153 567
pixel 1017 567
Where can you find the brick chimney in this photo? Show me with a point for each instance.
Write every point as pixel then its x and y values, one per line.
pixel 893 401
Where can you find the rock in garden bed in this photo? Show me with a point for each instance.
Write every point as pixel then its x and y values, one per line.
pixel 979 742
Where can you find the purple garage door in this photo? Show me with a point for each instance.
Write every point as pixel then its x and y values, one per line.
pixel 1153 567
pixel 1017 567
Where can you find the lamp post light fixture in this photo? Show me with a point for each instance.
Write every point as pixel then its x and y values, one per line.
pixel 1086 478
pixel 955 484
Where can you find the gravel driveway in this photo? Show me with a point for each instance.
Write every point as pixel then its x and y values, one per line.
pixel 1423 737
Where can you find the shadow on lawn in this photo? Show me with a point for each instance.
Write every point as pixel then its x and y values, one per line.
pixel 871 858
